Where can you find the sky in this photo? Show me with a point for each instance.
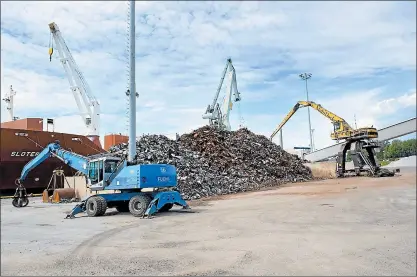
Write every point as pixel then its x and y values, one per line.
pixel 362 57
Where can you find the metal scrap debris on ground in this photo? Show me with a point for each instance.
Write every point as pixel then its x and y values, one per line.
pixel 212 162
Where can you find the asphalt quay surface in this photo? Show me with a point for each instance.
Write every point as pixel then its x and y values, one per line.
pixel 351 226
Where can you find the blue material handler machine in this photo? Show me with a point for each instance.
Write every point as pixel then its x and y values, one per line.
pixel 110 173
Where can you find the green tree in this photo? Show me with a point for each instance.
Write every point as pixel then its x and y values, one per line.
pixel 399 149
pixel 380 155
pixel 348 156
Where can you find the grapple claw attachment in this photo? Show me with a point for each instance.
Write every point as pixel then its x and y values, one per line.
pixel 20 198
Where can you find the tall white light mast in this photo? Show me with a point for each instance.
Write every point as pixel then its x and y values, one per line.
pixel 132 86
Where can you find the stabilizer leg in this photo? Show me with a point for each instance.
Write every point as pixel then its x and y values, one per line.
pixel 163 198
pixel 79 208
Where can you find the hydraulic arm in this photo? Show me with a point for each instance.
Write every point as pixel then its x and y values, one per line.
pixel 74 160
pixel 342 130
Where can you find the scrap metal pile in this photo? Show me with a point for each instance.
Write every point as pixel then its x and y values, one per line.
pixel 212 162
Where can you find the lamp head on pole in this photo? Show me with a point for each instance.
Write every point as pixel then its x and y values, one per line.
pixel 305 76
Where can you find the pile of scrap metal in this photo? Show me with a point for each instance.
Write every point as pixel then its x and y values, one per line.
pixel 213 162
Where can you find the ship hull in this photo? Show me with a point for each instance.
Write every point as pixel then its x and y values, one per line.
pixel 19 146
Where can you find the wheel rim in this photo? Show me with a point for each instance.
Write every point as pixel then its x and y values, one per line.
pixel 137 206
pixel 91 207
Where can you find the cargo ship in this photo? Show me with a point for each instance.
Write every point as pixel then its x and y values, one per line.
pixel 22 140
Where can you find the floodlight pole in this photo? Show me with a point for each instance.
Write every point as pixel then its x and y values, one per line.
pixel 305 77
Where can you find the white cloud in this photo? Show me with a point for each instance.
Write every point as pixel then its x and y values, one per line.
pixel 181 50
pixel 408 99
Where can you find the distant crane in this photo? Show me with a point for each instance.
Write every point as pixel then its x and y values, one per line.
pixel 9 101
pixel 220 117
pixel 87 104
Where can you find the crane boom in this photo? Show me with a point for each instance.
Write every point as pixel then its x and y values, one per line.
pixel 216 96
pixel 342 130
pixel 220 117
pixel 87 104
pixel 9 99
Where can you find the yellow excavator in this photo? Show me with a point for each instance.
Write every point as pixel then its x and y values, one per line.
pixel 342 129
pixel 357 141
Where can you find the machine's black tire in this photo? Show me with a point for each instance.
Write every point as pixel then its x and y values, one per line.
pixel 103 206
pixel 138 204
pixel 166 207
pixel 15 202
pixel 23 202
pixel 123 207
pixel 95 206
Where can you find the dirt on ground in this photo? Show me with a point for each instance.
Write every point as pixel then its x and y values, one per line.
pixel 323 170
pixel 322 187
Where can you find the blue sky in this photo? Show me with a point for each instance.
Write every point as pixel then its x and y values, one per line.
pixel 362 56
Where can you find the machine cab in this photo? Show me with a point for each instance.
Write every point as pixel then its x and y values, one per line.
pixel 337 126
pixel 100 170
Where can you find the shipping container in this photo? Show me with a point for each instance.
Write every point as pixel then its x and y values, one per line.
pixel 114 139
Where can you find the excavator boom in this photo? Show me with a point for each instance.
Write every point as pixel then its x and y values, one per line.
pixel 74 160
pixel 333 117
pixel 286 118
pixel 342 130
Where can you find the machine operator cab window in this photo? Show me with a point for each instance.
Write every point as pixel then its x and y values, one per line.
pixel 336 126
pixel 100 170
